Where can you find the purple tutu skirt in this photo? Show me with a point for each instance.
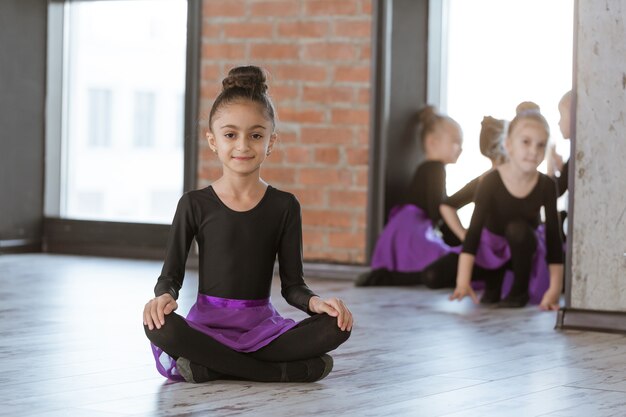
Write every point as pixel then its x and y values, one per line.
pixel 408 243
pixel 242 325
pixel 493 252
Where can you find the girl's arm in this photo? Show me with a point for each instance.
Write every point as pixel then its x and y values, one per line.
pixel 450 216
pixel 554 243
pixel 182 232
pixel 450 205
pixel 294 290
pixel 171 279
pixel 484 191
pixel 464 278
pixel 435 191
pixel 550 300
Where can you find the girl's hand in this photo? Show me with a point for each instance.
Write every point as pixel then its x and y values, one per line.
pixel 555 161
pixel 156 309
pixel 462 291
pixel 550 301
pixel 334 307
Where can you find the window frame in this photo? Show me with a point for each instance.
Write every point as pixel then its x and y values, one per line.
pixel 108 238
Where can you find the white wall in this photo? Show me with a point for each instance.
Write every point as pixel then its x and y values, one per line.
pixel 599 210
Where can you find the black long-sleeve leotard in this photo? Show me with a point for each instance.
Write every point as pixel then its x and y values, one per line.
pixel 464 196
pixel 496 207
pixel 561 181
pixel 237 249
pixel 427 191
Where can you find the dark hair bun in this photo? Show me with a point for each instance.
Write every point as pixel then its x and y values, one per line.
pixel 491 137
pixel 426 115
pixel 248 78
pixel 527 106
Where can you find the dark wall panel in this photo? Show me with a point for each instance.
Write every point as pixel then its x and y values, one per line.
pixel 22 95
pixel 399 89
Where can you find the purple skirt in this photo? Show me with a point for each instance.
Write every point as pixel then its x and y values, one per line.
pixel 242 325
pixel 408 243
pixel 494 251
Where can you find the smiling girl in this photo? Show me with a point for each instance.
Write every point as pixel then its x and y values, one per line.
pixel 505 228
pixel 241 224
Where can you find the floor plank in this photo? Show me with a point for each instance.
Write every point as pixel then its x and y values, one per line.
pixel 72 344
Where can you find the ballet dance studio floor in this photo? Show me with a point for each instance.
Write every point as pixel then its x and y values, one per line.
pixel 72 344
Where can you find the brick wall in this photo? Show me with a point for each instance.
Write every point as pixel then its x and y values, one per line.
pixel 318 56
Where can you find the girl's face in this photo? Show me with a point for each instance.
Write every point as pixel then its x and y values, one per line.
pixel 564 120
pixel 448 143
pixel 526 145
pixel 242 136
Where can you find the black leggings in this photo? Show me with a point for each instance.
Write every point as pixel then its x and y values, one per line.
pixel 311 338
pixel 523 244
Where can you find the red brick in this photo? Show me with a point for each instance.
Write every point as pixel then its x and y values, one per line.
pixel 277 157
pixel 205 155
pixel 288 114
pixel 363 137
pixel 211 90
pixel 365 52
pixel 327 155
pixel 211 173
pixel 316 253
pixel 366 7
pixel 278 174
pixel 310 197
pixel 363 96
pixel 297 155
pixel 301 72
pixel 361 177
pixel 353 74
pixel 224 8
pixel 313 237
pixel 326 218
pixel 326 135
pixel 303 29
pixel 211 72
pixel 286 136
pixel 283 92
pixel 353 28
pixel 328 95
pixel 350 199
pixel 248 30
pixel 274 8
pixel 209 30
pixel 325 177
pixel 274 51
pixel 361 219
pixel 331 7
pixel 350 116
pixel 357 156
pixel 347 240
pixel 335 51
pixel 217 51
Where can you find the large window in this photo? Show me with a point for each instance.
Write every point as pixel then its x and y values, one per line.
pixel 497 54
pixel 123 77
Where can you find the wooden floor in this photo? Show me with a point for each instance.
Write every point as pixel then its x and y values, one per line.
pixel 72 344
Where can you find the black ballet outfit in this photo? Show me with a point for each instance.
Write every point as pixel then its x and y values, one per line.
pixel 236 262
pixel 426 191
pixel 562 180
pixel 513 218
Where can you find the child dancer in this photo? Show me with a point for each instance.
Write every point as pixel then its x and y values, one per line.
pixel 491 141
pixel 409 241
pixel 505 222
pixel 555 161
pixel 241 224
